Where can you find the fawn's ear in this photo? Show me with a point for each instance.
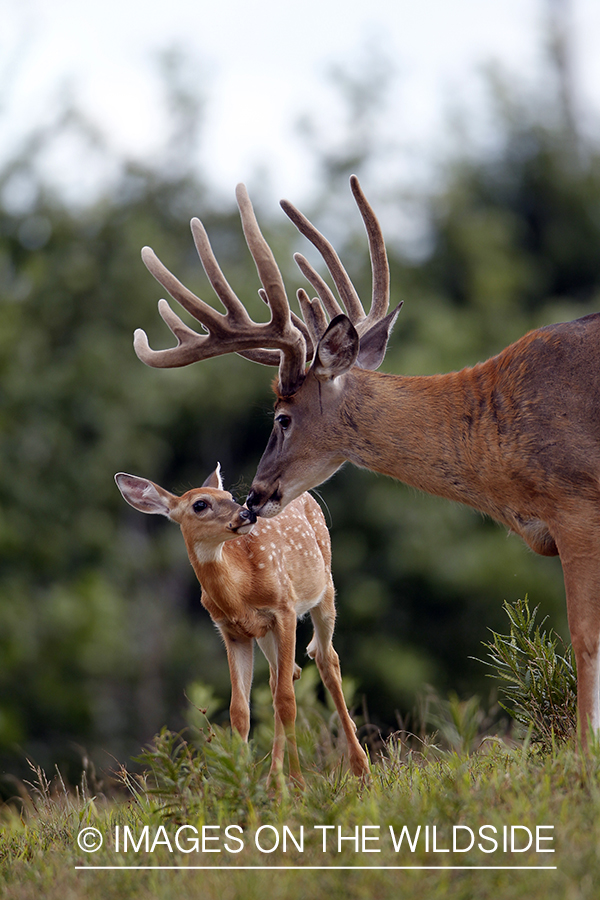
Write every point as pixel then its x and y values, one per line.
pixel 214 480
pixel 145 495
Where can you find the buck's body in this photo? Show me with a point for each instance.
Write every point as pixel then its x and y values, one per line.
pixel 517 437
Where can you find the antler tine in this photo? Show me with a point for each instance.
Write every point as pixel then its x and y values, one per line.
pixel 321 287
pixel 282 341
pixel 267 268
pixel 379 261
pixel 235 309
pixel 298 322
pixel 292 343
pixel 314 315
pixel 193 304
pixel 190 345
pixel 379 264
pixel 346 289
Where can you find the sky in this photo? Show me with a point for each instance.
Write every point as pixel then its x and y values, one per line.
pixel 262 64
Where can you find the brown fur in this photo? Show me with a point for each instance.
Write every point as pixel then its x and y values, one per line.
pixel 254 587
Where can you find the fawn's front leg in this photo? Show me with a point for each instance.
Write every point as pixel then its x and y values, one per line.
pixel 240 656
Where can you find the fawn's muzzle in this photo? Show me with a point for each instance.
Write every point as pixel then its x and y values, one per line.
pixel 248 515
pixel 243 521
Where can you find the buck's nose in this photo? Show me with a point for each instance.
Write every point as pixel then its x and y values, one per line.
pixel 262 499
pixel 254 499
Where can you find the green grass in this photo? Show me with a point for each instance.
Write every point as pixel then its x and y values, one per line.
pixel 453 780
pixel 496 786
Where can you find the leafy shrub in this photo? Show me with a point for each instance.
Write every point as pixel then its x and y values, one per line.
pixel 537 673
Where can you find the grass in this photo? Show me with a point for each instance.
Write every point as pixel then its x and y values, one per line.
pixel 201 800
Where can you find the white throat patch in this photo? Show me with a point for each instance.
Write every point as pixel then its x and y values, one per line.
pixel 206 553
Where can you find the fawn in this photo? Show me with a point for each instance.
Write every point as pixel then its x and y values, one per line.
pixel 257 579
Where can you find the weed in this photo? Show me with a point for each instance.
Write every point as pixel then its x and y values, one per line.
pixel 537 675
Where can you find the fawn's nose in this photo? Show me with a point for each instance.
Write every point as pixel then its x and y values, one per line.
pixel 248 515
pixel 242 521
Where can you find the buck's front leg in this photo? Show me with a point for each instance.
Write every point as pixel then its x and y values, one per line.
pixel 580 558
pixel 240 656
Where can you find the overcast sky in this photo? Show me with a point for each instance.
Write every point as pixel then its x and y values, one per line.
pixel 262 63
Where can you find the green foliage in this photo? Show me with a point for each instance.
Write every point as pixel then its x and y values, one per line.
pixel 183 776
pixel 211 766
pixel 459 722
pixel 496 786
pixel 173 775
pixel 97 641
pixel 538 682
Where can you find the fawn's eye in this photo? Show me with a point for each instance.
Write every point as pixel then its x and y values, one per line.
pixel 284 422
pixel 199 506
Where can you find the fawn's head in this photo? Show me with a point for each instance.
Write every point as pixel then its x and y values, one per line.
pixel 207 515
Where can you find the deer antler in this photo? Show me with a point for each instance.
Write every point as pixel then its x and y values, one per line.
pixel 376 320
pixel 284 341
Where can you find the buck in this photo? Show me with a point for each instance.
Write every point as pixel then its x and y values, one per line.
pixel 516 437
pixel 257 580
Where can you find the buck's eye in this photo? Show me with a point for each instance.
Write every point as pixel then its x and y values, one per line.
pixel 199 506
pixel 284 422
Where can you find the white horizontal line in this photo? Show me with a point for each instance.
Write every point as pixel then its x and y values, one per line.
pixel 345 868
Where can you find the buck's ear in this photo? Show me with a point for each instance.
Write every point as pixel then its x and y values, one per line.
pixel 214 480
pixel 373 343
pixel 145 495
pixel 337 350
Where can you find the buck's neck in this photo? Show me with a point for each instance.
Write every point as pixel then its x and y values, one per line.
pixel 431 432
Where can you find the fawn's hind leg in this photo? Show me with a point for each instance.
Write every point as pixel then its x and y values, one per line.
pixel 328 663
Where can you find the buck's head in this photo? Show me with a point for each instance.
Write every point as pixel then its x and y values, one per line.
pixel 304 448
pixel 309 440
pixel 208 516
